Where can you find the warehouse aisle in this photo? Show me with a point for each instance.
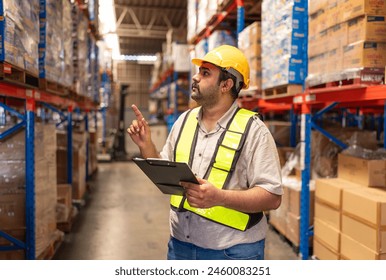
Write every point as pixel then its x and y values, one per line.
pixel 125 217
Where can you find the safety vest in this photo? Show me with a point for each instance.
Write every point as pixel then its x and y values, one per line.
pixel 220 169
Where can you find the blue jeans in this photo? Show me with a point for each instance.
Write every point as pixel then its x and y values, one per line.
pixel 178 250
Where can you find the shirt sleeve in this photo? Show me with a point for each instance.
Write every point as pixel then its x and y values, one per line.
pixel 263 165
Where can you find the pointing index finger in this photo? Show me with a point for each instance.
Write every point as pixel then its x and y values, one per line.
pixel 137 113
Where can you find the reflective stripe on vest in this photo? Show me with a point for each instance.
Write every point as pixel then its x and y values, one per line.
pixel 220 168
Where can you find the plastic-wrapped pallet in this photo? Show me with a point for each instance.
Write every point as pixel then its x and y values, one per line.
pixel 80 50
pixel 55 46
pixel 191 19
pixel 221 37
pixel 205 11
pixel 20 34
pixel 284 42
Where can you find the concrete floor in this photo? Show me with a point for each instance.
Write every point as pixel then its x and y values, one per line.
pixel 125 217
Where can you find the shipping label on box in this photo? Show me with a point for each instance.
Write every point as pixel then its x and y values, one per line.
pixel 366 172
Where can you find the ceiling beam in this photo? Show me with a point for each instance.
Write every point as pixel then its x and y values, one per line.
pixel 127 30
pixel 157 8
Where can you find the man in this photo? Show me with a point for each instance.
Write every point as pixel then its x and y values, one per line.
pixel 234 157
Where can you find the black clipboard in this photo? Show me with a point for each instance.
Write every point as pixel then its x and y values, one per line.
pixel 166 175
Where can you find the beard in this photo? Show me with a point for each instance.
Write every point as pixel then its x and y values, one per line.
pixel 206 98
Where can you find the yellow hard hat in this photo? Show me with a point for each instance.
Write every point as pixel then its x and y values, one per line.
pixel 227 57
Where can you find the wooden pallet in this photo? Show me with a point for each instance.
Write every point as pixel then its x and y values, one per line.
pixel 282 91
pixel 285 239
pixel 67 225
pixel 16 75
pixel 55 242
pixel 53 87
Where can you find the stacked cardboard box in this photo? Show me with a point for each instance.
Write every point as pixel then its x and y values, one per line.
pixel 364 224
pixel 350 211
pixel 81 61
pixel 93 145
pixel 78 162
pixel 328 217
pixel 55 46
pixel 20 34
pixel 12 189
pixel 286 219
pixel 344 37
pixel 249 43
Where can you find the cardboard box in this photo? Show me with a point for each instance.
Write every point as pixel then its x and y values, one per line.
pixel 294 201
pixel 366 172
pixel 328 214
pixel 250 35
pixel 322 252
pixel 278 217
pixel 329 191
pixel 292 232
pixel 328 234
pixel 64 202
pixel 354 8
pixel 318 64
pixel 337 36
pixel 367 205
pixel 318 43
pixel 353 250
pixel 314 6
pixel 335 60
pixel 293 228
pixel 364 54
pixel 13 146
pixel 12 211
pixel 317 22
pixel 372 238
pixel 367 28
pixel 334 13
pixel 12 176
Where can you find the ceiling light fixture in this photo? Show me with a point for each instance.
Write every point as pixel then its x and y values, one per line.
pixel 108 27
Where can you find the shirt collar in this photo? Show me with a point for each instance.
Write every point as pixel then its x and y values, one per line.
pixel 224 120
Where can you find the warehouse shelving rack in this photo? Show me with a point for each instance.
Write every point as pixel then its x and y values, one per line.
pixel 311 104
pixel 31 99
pixel 169 80
pixel 355 96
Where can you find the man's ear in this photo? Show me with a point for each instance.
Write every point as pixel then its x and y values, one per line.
pixel 227 85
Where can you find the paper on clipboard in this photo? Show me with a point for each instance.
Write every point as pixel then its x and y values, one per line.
pixel 166 175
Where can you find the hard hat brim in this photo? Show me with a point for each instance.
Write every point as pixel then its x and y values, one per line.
pixel 197 61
